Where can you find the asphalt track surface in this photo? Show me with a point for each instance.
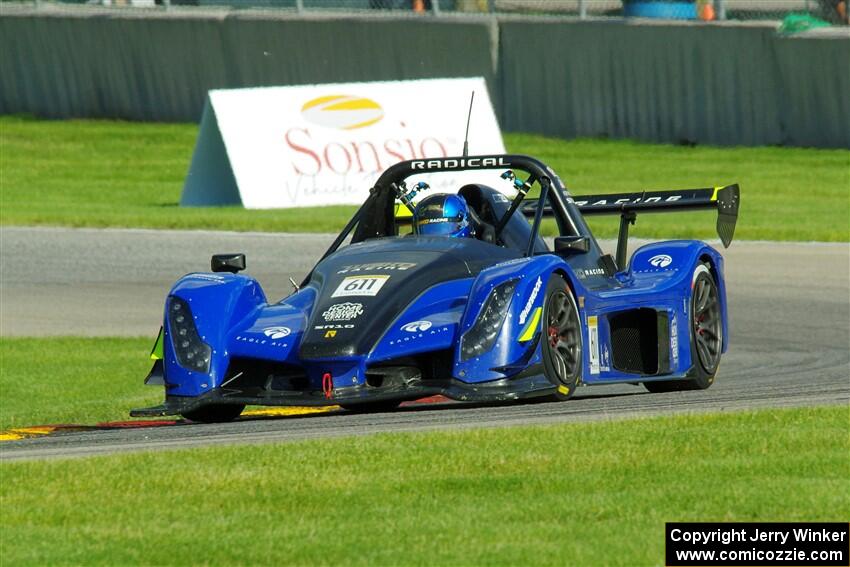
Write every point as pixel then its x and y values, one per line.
pixel 789 317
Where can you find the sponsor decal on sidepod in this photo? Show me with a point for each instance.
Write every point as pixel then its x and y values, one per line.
pixel 276 332
pixel 660 260
pixel 584 273
pixel 523 315
pixel 416 326
pixel 417 330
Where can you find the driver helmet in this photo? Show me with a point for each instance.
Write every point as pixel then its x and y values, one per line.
pixel 442 215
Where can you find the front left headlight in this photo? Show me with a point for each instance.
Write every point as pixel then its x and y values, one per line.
pixel 482 335
pixel 192 353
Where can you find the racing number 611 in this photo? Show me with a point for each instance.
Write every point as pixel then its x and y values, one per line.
pixel 360 285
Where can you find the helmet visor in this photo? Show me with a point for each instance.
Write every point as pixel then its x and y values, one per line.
pixel 441 226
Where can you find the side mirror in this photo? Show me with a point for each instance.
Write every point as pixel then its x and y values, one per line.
pixel 567 245
pixel 228 263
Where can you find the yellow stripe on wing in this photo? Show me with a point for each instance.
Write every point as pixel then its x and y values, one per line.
pixel 528 333
pixel 716 191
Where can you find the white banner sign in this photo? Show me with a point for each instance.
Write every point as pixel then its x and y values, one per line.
pixel 327 144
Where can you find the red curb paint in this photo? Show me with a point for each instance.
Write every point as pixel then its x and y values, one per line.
pixel 138 424
pixel 429 400
pixel 71 427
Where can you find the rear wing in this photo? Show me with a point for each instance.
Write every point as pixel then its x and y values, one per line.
pixel 725 200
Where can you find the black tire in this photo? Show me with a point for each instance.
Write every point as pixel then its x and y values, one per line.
pixel 215 413
pixel 560 338
pixel 372 407
pixel 706 335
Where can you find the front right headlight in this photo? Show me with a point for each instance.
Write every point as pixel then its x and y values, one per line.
pixel 192 353
pixel 482 335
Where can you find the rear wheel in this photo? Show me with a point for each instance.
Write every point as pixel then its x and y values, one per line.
pixel 561 338
pixel 215 413
pixel 706 335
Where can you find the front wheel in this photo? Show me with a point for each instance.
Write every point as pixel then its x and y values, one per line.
pixel 706 335
pixel 215 413
pixel 561 338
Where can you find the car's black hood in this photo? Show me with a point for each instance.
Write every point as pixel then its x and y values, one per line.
pixel 349 316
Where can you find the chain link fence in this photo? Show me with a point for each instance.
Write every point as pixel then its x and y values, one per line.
pixel 806 13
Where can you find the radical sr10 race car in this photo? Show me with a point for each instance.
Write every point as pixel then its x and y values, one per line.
pixel 389 315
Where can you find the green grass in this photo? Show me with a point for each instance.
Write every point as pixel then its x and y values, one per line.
pixel 594 493
pixel 101 173
pixel 570 494
pixel 71 380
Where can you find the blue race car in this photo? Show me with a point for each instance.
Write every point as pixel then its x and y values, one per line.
pixel 396 310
